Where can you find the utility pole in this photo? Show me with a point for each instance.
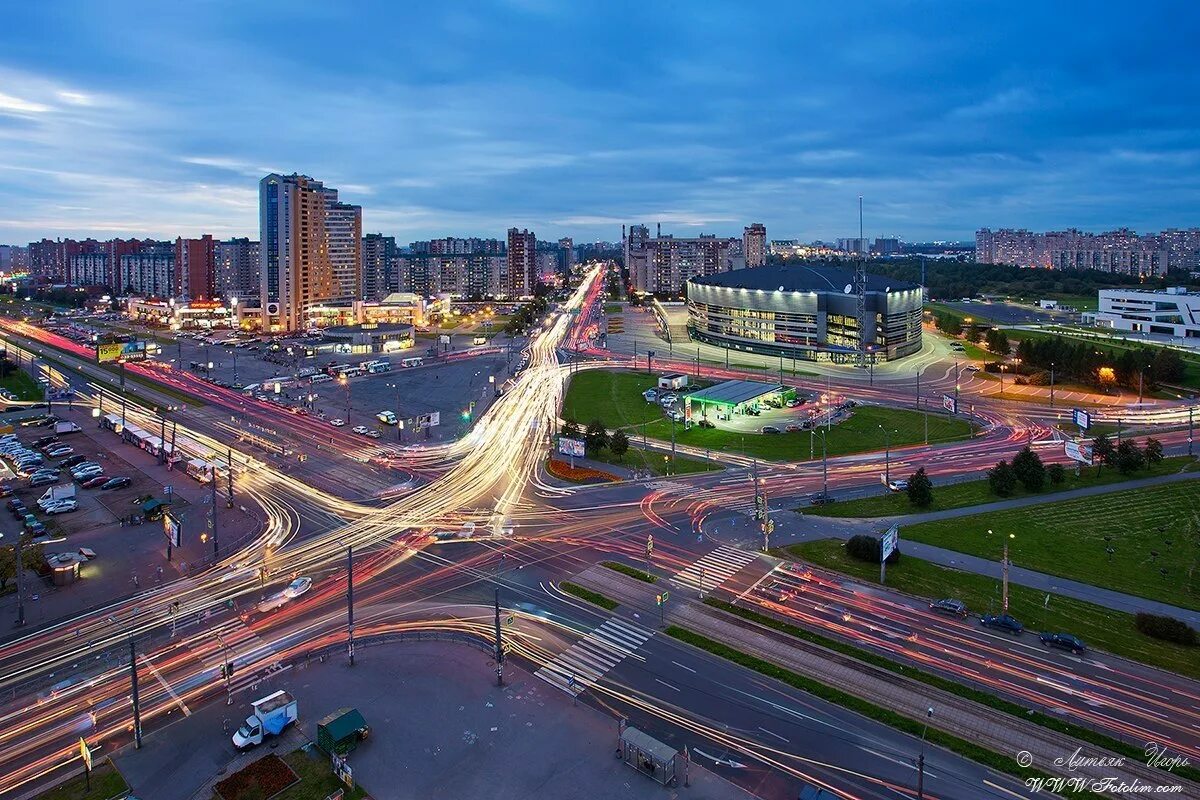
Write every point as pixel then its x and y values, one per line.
pixel 649 550
pixel 20 568
pixel 824 466
pixel 1052 384
pixel 100 408
pixel 213 511
pixel 133 685
pixel 162 438
pixel 921 756
pixel 918 390
pixel 122 396
pixel 1190 409
pixel 350 602
pixel 229 477
pixel 226 671
pixel 887 456
pixel 499 644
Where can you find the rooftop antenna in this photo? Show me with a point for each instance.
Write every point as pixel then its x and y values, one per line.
pixel 860 290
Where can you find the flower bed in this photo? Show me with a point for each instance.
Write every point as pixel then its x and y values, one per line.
pixel 563 470
pixel 269 775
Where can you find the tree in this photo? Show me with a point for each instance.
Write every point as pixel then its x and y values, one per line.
pixel 868 548
pixel 1029 470
pixel 920 489
pixel 1153 451
pixel 974 334
pixel 570 428
pixel 31 554
pixel 997 342
pixel 1002 479
pixel 596 437
pixel 618 443
pixel 1056 473
pixel 1102 450
pixel 1130 457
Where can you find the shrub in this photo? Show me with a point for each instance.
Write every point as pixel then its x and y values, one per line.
pixel 1057 474
pixel 920 489
pixel 1002 479
pixel 867 548
pixel 1029 470
pixel 1168 629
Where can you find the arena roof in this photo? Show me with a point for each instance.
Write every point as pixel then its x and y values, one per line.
pixel 799 278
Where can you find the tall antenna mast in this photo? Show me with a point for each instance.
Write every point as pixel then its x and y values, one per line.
pixel 860 290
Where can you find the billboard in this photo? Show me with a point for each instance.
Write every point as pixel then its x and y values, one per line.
pixel 444 339
pixel 571 447
pixel 171 529
pixel 1079 451
pixel 1081 418
pixel 687 412
pixel 950 404
pixel 430 420
pixel 120 351
pixel 887 545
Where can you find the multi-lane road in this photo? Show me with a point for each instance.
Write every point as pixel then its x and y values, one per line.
pixel 72 679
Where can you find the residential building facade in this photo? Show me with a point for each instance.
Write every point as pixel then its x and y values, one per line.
pixel 196 268
pixel 237 269
pixel 343 227
pixel 521 263
pixel 378 259
pixel 1120 251
pixel 754 244
pixel 664 264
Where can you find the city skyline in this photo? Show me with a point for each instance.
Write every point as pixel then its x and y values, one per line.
pixel 579 119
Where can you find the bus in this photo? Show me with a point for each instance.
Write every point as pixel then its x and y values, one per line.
pixel 333 370
pixel 380 366
pixel 415 361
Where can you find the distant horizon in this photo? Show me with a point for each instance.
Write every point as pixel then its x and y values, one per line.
pixel 572 119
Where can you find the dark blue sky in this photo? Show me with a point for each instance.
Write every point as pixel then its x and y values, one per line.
pixel 122 118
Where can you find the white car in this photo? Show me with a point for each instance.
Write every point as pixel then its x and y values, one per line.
pixel 297 587
pixel 372 434
pixel 898 485
pixel 337 423
pixel 60 507
pixel 360 429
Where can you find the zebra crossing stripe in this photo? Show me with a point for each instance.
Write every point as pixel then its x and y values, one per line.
pixel 715 568
pixel 584 663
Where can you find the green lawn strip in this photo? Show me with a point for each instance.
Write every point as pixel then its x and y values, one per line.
pixel 317 781
pixel 187 397
pixel 22 384
pixel 614 398
pixel 613 308
pixel 1100 627
pixel 975 315
pixel 859 433
pixel 648 459
pixel 977 353
pixel 594 598
pixel 632 572
pixel 1191 364
pixel 973 493
pixel 106 783
pixel 944 684
pixel 1067 539
pixel 1001 763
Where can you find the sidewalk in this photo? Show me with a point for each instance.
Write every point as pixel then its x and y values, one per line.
pixel 989 728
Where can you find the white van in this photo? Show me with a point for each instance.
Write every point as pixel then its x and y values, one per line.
pixel 320 379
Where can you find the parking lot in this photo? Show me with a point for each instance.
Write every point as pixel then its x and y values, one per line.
pixel 107 539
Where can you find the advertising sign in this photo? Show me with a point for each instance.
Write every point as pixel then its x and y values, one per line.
pixel 687 412
pixel 85 753
pixel 571 447
pixel 888 544
pixel 1081 418
pixel 949 403
pixel 120 351
pixel 1079 451
pixel 430 420
pixel 444 338
pixel 171 529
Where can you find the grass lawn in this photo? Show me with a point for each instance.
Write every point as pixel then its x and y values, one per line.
pixel 857 434
pixel 976 315
pixel 648 459
pixel 973 493
pixel 977 353
pixel 1098 626
pixel 1067 539
pixel 614 398
pixel 22 384
pixel 106 783
pixel 1191 364
pixel 317 781
pixel 613 308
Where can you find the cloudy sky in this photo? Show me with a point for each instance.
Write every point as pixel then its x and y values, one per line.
pixel 571 117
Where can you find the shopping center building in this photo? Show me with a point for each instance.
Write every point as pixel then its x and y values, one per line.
pixel 804 312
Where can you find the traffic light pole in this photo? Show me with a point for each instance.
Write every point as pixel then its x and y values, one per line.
pixel 350 602
pixel 133 685
pixel 499 644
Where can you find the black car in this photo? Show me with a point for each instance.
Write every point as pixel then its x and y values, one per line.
pixel 1002 622
pixel 1064 640
pixel 49 420
pixel 71 461
pixel 955 608
pixel 116 483
pixel 820 499
pixel 45 440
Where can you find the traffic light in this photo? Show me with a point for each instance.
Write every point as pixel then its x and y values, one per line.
pixel 659 598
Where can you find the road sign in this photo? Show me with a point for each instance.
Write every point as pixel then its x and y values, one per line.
pixel 1078 451
pixel 1081 418
pixel 663 598
pixel 509 619
pixel 85 753
pixel 572 447
pixel 887 545
pixel 949 403
pixel 649 544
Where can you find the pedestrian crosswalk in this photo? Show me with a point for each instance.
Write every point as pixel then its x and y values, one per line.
pixel 584 663
pixel 740 506
pixel 670 487
pixel 715 568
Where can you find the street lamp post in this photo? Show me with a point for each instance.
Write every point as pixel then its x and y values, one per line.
pixel 1052 384
pixel 921 756
pixel 1002 366
pixel 1005 563
pixel 887 455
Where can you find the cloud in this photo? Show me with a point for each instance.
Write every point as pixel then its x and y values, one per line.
pixel 16 105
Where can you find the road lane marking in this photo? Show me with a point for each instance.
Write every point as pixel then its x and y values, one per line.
pixel 664 683
pixel 187 712
pixel 776 735
pixel 682 666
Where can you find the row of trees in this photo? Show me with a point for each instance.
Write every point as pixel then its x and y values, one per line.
pixel 596 437
pixel 1091 364
pixel 31 554
pixel 949 279
pixel 527 314
pixel 1027 469
pixel 952 325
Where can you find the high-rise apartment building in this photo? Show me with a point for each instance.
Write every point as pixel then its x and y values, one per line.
pixel 237 269
pixel 1122 251
pixel 663 265
pixel 196 268
pixel 566 254
pixel 521 277
pixel 150 272
pixel 378 259
pixel 754 245
pixel 474 276
pixel 635 240
pixel 91 269
pixel 343 227
pixel 309 248
pixel 854 245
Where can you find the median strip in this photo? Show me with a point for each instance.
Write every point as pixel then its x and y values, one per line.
pixel 595 598
pixel 633 572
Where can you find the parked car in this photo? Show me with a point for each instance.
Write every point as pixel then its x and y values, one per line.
pixel 372 434
pixel 770 429
pixel 820 498
pixel 898 485
pixel 35 528
pixel 42 479
pixel 6 491
pixel 955 608
pixel 60 507
pixel 78 458
pixel 795 402
pixel 792 427
pixel 60 452
pixel 45 440
pixel 94 483
pixel 1065 641
pixel 360 429
pixel 116 483
pixel 1003 622
pixel 337 423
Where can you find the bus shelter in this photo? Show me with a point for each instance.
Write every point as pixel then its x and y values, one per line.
pixel 648 755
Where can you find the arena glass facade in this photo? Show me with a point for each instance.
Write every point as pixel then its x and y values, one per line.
pixel 802 312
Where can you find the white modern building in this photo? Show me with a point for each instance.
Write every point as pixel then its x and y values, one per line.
pixel 1173 312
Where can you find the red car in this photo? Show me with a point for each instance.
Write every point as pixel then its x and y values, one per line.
pixel 93 483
